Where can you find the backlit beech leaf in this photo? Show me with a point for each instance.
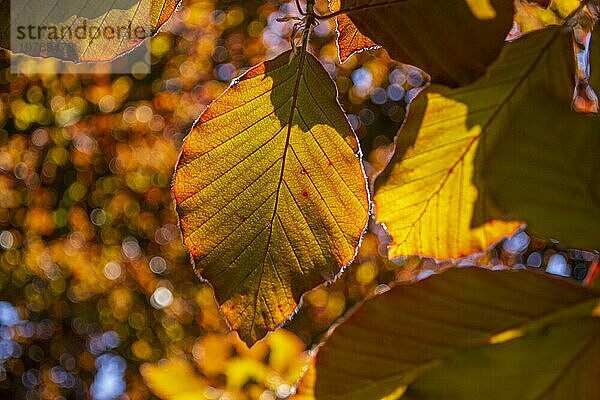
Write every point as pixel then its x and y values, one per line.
pixel 350 39
pixel 80 30
pixel 468 158
pixel 452 40
pixel 543 161
pixel 535 15
pixel 564 7
pixel 531 16
pixel 502 335
pixel 271 192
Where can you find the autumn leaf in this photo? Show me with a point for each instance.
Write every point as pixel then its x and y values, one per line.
pixel 503 335
pixel 452 40
pixel 271 192
pixel 542 162
pixel 350 39
pixel 531 17
pixel 469 158
pixel 80 30
pixel 563 8
pixel 161 377
pixel 535 15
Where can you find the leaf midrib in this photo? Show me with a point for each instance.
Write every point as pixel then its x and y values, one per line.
pixel 299 74
pixel 475 139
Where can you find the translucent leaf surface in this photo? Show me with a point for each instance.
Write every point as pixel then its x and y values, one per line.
pixel 531 16
pixel 503 335
pixel 80 30
pixel 542 165
pixel 505 147
pixel 350 39
pixel 271 192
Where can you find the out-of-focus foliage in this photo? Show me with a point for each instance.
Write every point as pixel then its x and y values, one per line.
pixel 94 279
pixel 271 364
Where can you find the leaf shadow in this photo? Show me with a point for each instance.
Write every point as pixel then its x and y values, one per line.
pixel 530 131
pixel 453 40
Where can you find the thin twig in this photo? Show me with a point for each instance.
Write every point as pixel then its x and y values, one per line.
pixel 299 7
pixel 357 8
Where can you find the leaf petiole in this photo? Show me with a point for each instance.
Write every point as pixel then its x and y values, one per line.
pixel 306 24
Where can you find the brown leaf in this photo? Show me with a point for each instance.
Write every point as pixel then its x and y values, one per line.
pixel 452 40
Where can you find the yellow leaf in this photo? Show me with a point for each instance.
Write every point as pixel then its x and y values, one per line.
pixel 564 7
pixel 80 30
pixel 241 370
pixel 174 379
pixel 286 349
pixel 271 192
pixel 428 195
pixel 305 387
pixel 482 9
pixel 506 148
pixel 535 15
pixel 258 351
pixel 213 352
pixel 530 17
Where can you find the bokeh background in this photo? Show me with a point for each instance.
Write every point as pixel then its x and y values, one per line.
pixel 98 298
pixel 97 294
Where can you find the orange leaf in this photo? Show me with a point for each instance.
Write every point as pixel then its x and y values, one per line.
pixel 350 39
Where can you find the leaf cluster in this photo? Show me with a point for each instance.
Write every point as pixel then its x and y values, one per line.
pixel 275 197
